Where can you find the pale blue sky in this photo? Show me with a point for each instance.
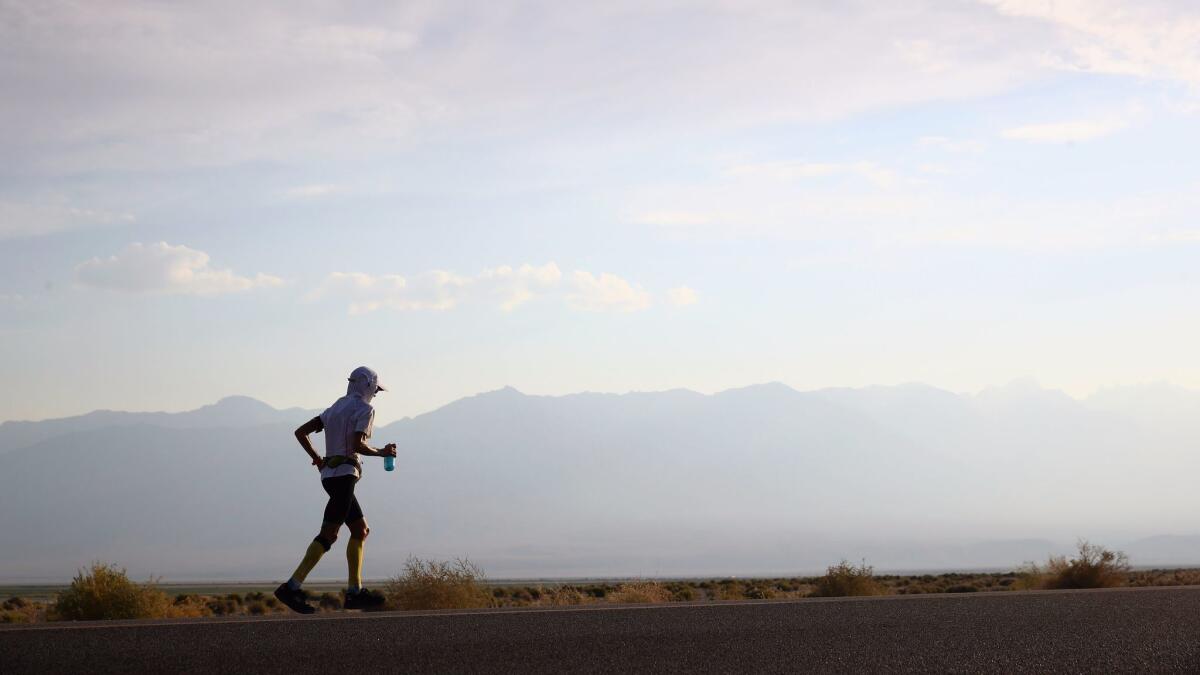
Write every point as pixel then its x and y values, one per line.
pixel 202 201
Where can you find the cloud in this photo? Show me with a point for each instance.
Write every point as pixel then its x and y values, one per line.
pixel 731 206
pixel 606 292
pixel 682 296
pixel 309 82
pixel 513 287
pixel 314 191
pixel 798 170
pixel 672 218
pixel 788 199
pixel 1076 131
pixel 287 81
pixel 167 269
pixel 505 288
pixel 1151 39
pixel 23 219
pixel 11 299
pixel 952 144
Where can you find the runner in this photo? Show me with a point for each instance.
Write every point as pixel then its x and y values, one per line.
pixel 347 425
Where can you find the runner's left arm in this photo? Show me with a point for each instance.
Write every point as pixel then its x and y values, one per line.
pixel 361 447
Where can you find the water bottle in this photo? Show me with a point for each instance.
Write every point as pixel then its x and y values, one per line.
pixel 389 463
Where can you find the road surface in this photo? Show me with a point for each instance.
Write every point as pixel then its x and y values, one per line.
pixel 1125 630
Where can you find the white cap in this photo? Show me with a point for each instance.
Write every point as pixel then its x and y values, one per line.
pixel 364 382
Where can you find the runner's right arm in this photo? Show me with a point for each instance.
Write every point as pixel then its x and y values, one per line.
pixel 313 426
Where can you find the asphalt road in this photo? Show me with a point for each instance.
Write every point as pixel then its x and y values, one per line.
pixel 1128 630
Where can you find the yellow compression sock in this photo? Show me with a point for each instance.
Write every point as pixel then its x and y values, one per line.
pixel 354 560
pixel 315 550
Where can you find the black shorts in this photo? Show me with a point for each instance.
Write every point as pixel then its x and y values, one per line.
pixel 343 505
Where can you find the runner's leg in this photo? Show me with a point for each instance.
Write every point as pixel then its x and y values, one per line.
pixel 358 597
pixel 337 509
pixel 354 548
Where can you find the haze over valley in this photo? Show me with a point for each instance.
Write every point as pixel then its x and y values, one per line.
pixel 758 480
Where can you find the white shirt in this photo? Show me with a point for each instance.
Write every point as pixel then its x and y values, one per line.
pixel 348 415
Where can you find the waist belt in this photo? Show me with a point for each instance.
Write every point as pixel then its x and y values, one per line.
pixel 337 460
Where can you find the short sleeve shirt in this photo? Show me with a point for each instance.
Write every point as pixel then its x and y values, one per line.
pixel 348 416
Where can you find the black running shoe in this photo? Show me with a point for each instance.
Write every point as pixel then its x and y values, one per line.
pixel 294 599
pixel 364 599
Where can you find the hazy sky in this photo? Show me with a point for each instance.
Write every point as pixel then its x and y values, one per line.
pixel 201 199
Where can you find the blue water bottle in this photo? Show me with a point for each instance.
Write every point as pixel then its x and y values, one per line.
pixel 389 463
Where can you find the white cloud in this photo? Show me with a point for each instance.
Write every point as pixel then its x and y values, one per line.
pixel 368 293
pixel 606 292
pixel 296 81
pixel 1075 131
pixel 935 169
pixel 314 191
pixel 798 170
pixel 781 199
pixel 11 299
pixel 682 296
pixel 513 287
pixel 1151 39
pixel 22 219
pixel 282 81
pixel 505 288
pixel 730 207
pixel 964 145
pixel 163 268
pixel 672 218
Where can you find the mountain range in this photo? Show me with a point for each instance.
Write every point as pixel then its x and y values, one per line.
pixel 759 480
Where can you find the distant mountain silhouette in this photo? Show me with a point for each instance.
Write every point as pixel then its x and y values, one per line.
pixel 229 412
pixel 761 479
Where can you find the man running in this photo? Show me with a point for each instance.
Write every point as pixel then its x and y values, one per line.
pixel 347 425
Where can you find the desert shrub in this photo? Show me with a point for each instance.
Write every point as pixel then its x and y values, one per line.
pixel 430 584
pixel 683 594
pixel 190 606
pixel 222 606
pixel 256 608
pixel 568 595
pixel 330 601
pixel 844 579
pixel 20 610
pixel 640 592
pixel 759 592
pixel 105 592
pixel 1182 577
pixel 962 588
pixel 14 603
pixel 727 589
pixel 1029 577
pixel 1092 567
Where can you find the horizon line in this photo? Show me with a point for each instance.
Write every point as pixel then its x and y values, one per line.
pixel 1027 381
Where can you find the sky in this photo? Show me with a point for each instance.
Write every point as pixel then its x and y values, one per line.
pixel 206 199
